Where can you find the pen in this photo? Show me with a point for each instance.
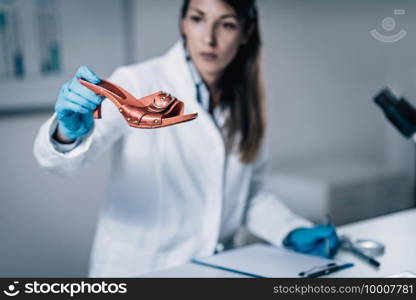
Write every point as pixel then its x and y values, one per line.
pixel 327 223
pixel 364 256
pixel 350 246
pixel 328 270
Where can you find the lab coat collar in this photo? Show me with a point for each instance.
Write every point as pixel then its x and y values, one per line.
pixel 176 69
pixel 194 72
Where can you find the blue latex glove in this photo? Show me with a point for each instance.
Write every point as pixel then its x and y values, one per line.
pixel 313 240
pixel 75 105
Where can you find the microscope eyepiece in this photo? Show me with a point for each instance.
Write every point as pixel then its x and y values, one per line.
pixel 400 113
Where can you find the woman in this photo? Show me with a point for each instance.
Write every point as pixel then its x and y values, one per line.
pixel 176 192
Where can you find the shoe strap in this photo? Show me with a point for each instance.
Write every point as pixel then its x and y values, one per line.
pixel 161 102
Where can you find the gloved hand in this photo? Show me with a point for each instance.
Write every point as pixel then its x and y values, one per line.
pixel 321 240
pixel 75 105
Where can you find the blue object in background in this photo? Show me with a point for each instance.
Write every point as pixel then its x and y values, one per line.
pixel 55 57
pixel 2 20
pixel 19 66
pixel 11 52
pixel 4 60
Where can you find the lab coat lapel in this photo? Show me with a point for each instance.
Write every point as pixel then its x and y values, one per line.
pixel 177 71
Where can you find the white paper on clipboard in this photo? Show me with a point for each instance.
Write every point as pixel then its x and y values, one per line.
pixel 266 261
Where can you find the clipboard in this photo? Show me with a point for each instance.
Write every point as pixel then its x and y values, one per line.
pixel 267 261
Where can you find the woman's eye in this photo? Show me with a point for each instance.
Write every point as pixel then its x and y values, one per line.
pixel 229 25
pixel 195 18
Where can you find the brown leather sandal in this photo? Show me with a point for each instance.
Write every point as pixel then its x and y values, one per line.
pixel 154 111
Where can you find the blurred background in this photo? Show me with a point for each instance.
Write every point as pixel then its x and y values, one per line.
pixel 331 149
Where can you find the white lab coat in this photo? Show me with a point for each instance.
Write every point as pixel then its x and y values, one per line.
pixel 173 193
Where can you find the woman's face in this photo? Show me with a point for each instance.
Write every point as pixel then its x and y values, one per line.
pixel 213 35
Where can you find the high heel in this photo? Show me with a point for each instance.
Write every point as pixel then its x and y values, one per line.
pixel 154 111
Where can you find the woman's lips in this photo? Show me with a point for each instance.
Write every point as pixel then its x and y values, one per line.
pixel 208 56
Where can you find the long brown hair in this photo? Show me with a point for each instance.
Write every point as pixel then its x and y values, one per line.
pixel 241 85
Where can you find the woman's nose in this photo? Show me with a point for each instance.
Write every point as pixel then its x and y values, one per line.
pixel 210 38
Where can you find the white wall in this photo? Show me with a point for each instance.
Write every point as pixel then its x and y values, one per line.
pixel 155 27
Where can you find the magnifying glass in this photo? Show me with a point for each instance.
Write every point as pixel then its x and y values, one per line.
pixel 370 247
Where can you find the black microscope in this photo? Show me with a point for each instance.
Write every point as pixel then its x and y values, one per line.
pixel 402 115
pixel 399 112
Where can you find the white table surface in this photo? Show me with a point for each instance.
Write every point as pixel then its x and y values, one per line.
pixel 397 231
